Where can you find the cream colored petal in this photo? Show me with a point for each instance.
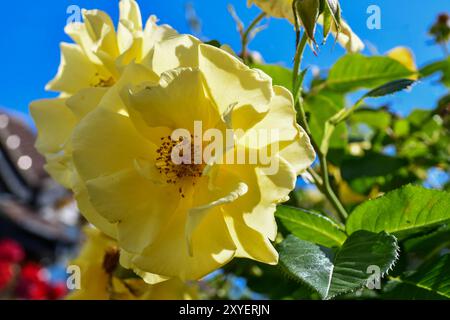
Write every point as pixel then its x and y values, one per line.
pixel 212 247
pixel 75 31
pixel 90 213
pixel 94 280
pixel 249 242
pixel 256 208
pixel 173 289
pixel 140 208
pixel 278 125
pixel 232 83
pixel 88 34
pixel 347 38
pixel 106 142
pixel 176 52
pixel 279 128
pixel 85 101
pixel 153 34
pixel 299 153
pixel 55 123
pixel 150 278
pixel 133 75
pixel 60 167
pixel 274 189
pixel 198 213
pixel 129 11
pixel 130 23
pixel 132 54
pixel 75 72
pixel 101 33
pixel 294 144
pixel 176 102
pixel 97 38
pixel 275 8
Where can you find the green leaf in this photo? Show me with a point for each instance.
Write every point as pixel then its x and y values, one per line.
pixel 396 290
pixel 372 164
pixel 428 245
pixel 355 71
pixel 442 66
pixel 390 88
pixel 322 107
pixel 418 117
pixel 362 250
pixel 434 277
pixel 305 262
pixel 375 170
pixel 311 226
pixel 265 279
pixel 350 271
pixel 405 211
pixel 377 119
pixel 281 76
pixel 401 128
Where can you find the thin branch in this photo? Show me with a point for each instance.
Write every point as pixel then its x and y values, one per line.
pixel 248 33
pixel 322 182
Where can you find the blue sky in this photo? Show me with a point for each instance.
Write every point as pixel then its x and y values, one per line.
pixel 32 30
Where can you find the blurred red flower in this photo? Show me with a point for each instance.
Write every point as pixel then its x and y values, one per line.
pixel 11 251
pixel 31 282
pixel 32 272
pixel 6 273
pixel 57 291
pixel 33 285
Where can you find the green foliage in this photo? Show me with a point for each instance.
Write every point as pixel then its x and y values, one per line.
pixel 442 67
pixel 429 245
pixel 348 271
pixel 430 281
pixel 321 108
pixel 375 163
pixel 434 276
pixel 397 290
pixel 307 263
pixel 311 226
pixel 408 210
pixel 355 71
pixel 390 88
pixel 361 251
pixel 377 119
pixel 374 169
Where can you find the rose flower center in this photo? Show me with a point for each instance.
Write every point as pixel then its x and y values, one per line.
pixel 186 166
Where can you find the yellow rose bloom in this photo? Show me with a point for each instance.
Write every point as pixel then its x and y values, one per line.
pixel 110 145
pixel 88 67
pixel 98 281
pixel 188 220
pixel 99 53
pixel 283 9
